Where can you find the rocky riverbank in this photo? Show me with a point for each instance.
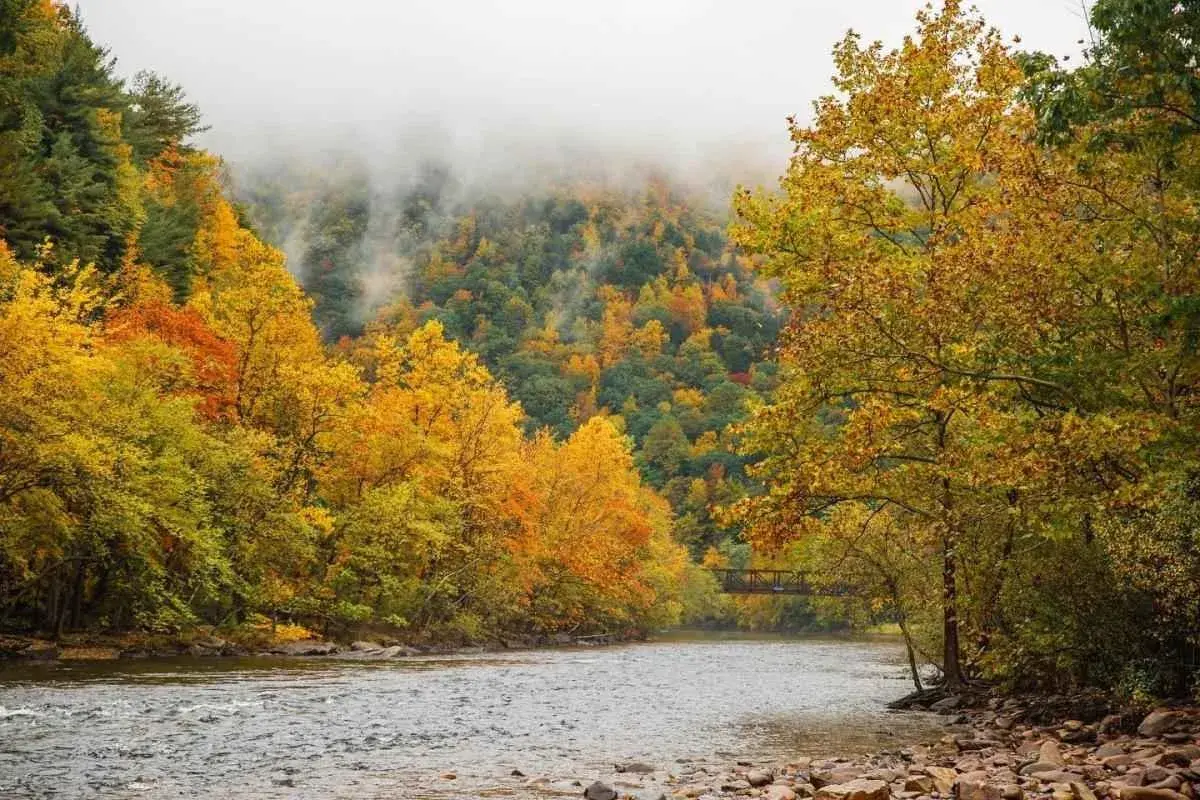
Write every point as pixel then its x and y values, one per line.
pixel 999 752
pixel 103 648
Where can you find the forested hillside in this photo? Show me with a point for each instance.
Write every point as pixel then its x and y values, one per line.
pixel 584 299
pixel 950 362
pixel 178 445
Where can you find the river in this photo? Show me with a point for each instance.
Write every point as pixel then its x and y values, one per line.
pixel 322 728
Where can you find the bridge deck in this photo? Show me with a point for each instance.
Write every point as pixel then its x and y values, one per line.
pixel 773 581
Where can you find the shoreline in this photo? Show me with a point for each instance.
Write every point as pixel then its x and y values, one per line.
pixel 21 648
pixel 993 751
pixel 31 650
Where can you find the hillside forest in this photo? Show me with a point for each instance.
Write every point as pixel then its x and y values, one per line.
pixel 949 360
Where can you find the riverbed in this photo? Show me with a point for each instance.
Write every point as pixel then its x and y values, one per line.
pixel 442 727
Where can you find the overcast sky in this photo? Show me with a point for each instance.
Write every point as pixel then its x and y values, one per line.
pixel 682 77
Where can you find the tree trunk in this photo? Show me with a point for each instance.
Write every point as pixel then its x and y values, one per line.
pixel 951 664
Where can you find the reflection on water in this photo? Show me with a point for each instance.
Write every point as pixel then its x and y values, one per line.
pixel 267 728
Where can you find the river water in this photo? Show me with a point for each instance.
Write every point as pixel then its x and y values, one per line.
pixel 322 728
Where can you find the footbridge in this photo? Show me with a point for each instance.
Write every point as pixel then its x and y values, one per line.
pixel 775 581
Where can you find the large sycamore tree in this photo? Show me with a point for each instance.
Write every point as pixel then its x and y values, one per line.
pixel 931 250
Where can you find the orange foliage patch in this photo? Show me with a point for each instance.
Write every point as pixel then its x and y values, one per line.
pixel 214 360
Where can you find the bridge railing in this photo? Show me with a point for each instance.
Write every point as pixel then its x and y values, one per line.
pixel 775 581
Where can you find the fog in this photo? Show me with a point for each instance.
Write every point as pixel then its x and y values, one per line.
pixel 516 83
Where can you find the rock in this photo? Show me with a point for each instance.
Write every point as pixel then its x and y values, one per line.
pixel 1145 793
pixel 946 704
pixel 779 792
pixel 759 777
pixel 1011 791
pixel 1050 753
pixel 600 791
pixel 310 647
pixel 516 773
pixel 1155 774
pixel 735 785
pixel 1006 721
pixel 1108 749
pixel 449 776
pixel 859 789
pixel 827 777
pixel 1170 782
pixel 363 646
pixel 636 767
pixel 649 794
pixel 1081 791
pixel 1113 723
pixel 1057 776
pixel 966 745
pixel 1119 760
pixel 922 784
pixel 943 778
pixel 1077 735
pixel 804 789
pixel 1038 767
pixel 975 786
pixel 1157 723
pixel 1183 756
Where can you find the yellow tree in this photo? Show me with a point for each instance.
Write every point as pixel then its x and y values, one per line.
pixel 597 540
pixel 923 242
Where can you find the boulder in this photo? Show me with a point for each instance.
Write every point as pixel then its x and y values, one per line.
pixel 922 784
pixel 1173 782
pixel 1050 753
pixel 1058 776
pixel 1157 723
pixel 635 767
pixel 1040 767
pixel 1077 735
pixel 1146 793
pixel 860 789
pixel 943 778
pixel 365 646
pixel 759 777
pixel 1081 791
pixel 308 647
pixel 1182 756
pixel 1108 749
pixel 779 792
pixel 1112 723
pixel 599 791
pixel 975 786
pixel 946 704
pixel 826 777
pixel 1154 774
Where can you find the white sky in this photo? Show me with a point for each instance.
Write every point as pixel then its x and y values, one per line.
pixel 661 76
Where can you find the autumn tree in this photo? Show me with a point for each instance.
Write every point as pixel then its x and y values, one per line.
pixel 917 241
